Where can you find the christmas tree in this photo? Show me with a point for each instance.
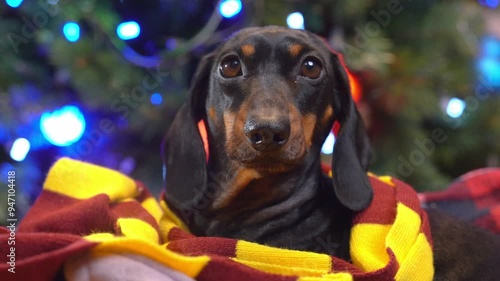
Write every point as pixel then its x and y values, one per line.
pixel 101 81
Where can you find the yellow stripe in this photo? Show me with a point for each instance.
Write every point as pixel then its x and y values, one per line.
pixel 168 215
pixel 135 228
pixel 387 180
pixel 168 221
pixel 418 265
pixel 279 269
pixel 82 180
pixel 108 244
pixel 165 227
pixel 404 232
pixel 329 277
pixel 152 206
pixel 368 250
pixel 282 261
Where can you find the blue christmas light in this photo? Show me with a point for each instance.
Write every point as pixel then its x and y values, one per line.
pixel 490 3
pixel 171 44
pixel 20 149
pixel 295 20
pixel 64 126
pixel 128 30
pixel 156 99
pixel 14 3
pixel 490 69
pixel 230 8
pixel 455 107
pixel 488 64
pixel 328 144
pixel 71 31
pixel 490 46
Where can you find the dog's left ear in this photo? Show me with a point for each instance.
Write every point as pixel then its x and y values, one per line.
pixel 183 152
pixel 351 153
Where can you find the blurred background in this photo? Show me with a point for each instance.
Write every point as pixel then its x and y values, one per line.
pixel 101 81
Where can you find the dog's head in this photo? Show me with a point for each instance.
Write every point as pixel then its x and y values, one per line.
pixel 268 97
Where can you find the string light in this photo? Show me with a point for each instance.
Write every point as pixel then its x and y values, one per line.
pixel 171 44
pixel 490 3
pixel 295 20
pixel 156 99
pixel 490 46
pixel 127 165
pixel 71 31
pixel 455 107
pixel 488 64
pixel 14 3
pixel 20 149
pixel 64 126
pixel 490 69
pixel 128 30
pixel 328 144
pixel 230 8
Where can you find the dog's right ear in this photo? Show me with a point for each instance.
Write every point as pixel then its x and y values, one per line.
pixel 352 149
pixel 183 151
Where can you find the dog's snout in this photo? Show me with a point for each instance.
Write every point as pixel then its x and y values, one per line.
pixel 267 136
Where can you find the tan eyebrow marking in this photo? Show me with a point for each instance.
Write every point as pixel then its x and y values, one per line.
pixel 248 50
pixel 212 114
pixel 295 49
pixel 328 113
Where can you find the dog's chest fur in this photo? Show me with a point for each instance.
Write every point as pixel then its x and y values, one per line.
pixel 302 213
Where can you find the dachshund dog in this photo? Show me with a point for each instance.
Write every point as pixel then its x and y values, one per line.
pixel 268 98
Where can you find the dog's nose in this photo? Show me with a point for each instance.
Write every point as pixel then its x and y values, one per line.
pixel 267 136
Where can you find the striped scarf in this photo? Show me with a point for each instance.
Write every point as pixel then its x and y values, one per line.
pixel 87 209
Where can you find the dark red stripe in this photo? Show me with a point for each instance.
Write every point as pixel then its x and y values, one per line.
pixel 223 247
pixel 386 273
pixel 339 265
pixel 382 208
pixel 226 269
pixel 407 195
pixel 39 256
pixel 57 213
pixel 177 233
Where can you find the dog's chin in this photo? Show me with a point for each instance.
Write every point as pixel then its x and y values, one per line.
pixel 269 166
pixel 271 162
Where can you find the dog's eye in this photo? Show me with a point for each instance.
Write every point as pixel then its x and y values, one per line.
pixel 311 68
pixel 230 67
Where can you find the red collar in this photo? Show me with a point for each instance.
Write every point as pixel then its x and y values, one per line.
pixel 204 137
